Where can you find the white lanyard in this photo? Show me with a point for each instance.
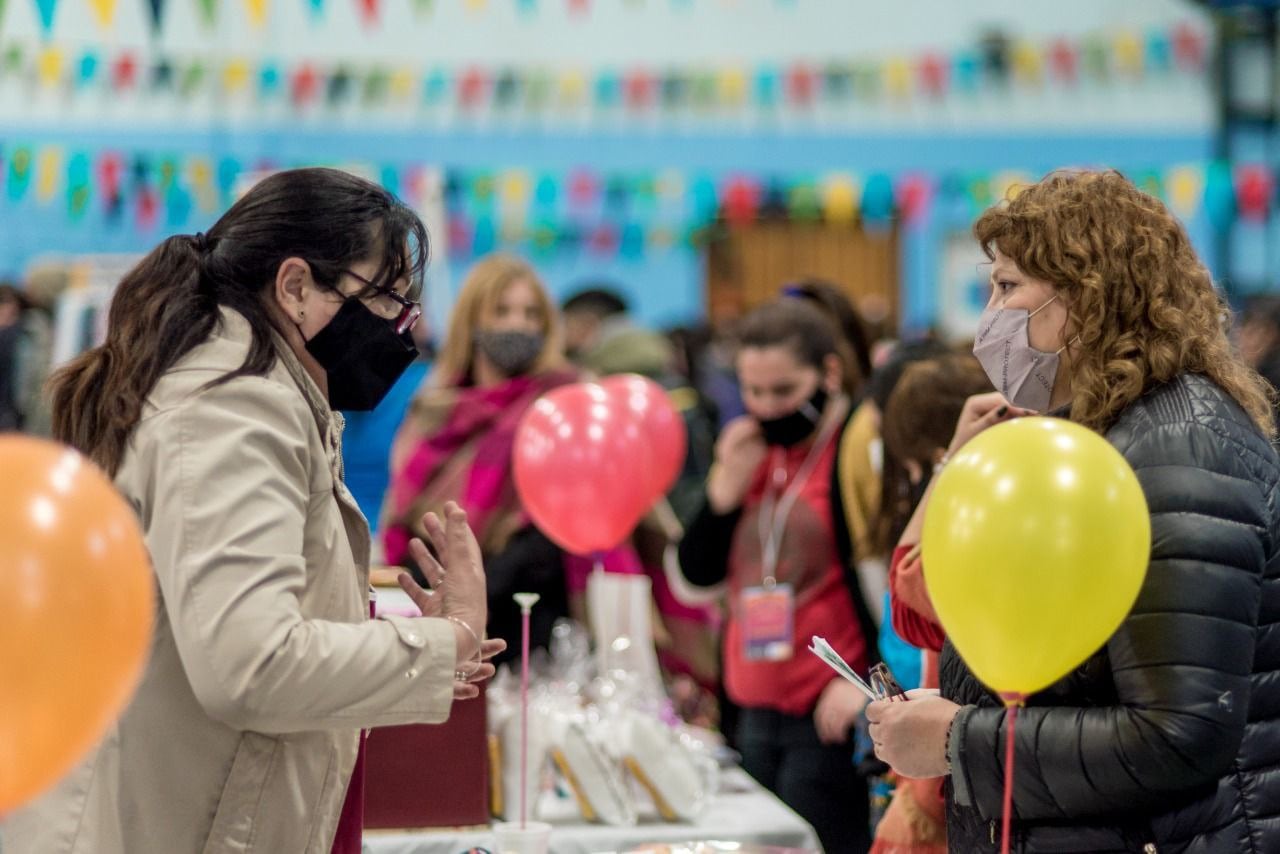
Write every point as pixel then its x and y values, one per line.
pixel 774 512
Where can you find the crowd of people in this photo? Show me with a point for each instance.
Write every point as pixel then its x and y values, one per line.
pixel 287 426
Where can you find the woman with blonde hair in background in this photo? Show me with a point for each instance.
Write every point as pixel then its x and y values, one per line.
pixel 501 353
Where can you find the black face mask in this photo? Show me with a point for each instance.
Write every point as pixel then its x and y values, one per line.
pixel 794 427
pixel 362 356
pixel 512 352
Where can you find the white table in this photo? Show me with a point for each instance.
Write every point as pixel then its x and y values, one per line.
pixel 742 812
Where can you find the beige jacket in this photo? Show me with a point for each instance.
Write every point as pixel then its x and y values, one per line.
pixel 264 667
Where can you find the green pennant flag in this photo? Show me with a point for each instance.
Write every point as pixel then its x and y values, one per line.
pixel 208 11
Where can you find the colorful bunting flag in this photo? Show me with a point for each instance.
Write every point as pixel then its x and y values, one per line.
pixel 156 8
pixel 104 11
pixel 257 10
pixel 46 9
pixel 208 12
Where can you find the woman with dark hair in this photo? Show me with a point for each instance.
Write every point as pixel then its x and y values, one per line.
pixel 772 536
pixel 211 404
pixel 854 343
pixel 1166 739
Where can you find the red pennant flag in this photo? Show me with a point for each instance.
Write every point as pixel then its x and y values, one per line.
pixel 640 89
pixel 579 7
pixel 1253 192
pixel 369 11
pixel 1188 47
pixel 583 187
pixel 110 166
pixel 148 208
pixel 472 87
pixel 124 73
pixel 933 75
pixel 304 86
pixel 741 200
pixel 1063 60
pixel 604 239
pixel 801 84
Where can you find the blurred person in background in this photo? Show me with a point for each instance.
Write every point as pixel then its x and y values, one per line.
pixel 919 420
pixel 501 353
pixel 702 358
pixel 854 340
pixel 771 538
pixel 24 363
pixel 1259 339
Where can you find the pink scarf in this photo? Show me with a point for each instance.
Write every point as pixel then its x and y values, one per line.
pixel 456 444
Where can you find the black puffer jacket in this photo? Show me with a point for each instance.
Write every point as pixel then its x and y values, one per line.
pixel 1168 739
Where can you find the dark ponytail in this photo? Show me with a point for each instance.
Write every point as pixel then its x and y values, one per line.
pixel 169 303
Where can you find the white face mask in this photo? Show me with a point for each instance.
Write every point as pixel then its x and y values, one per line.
pixel 1023 374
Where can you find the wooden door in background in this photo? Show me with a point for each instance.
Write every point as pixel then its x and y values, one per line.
pixel 748 265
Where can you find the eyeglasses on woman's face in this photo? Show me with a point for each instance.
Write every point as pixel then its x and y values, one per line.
pixel 388 304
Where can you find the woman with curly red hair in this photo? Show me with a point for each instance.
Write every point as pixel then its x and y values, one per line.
pixel 1168 738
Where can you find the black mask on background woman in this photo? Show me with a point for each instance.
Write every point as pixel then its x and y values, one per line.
pixel 794 427
pixel 513 352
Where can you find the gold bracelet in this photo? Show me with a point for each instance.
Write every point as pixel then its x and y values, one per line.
pixel 458 674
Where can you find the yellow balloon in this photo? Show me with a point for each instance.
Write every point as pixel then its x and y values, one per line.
pixel 1036 542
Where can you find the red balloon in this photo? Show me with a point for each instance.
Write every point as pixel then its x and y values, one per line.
pixel 581 468
pixel 661 427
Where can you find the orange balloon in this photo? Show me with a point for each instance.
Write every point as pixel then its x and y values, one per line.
pixel 76 610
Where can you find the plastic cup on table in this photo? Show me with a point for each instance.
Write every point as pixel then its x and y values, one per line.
pixel 510 838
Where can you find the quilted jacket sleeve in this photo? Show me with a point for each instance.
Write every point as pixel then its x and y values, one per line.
pixel 1180 662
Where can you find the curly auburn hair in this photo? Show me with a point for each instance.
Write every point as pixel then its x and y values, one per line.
pixel 1144 306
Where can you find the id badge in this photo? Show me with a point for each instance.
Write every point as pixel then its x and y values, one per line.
pixel 768 620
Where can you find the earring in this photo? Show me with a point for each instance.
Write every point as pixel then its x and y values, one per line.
pixel 301 314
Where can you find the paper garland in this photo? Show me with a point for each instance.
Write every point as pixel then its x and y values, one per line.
pixel 994 63
pixel 627 215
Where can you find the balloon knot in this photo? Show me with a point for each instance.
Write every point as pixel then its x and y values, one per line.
pixel 1013 698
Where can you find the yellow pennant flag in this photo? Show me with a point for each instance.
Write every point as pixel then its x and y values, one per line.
pixel 1128 53
pixel 897 77
pixel 402 83
pixel 257 12
pixel 104 11
pixel 573 87
pixel 49 66
pixel 733 86
pixel 514 188
pixel 1009 184
pixel 236 75
pixel 1185 188
pixel 200 176
pixel 1027 63
pixel 48 172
